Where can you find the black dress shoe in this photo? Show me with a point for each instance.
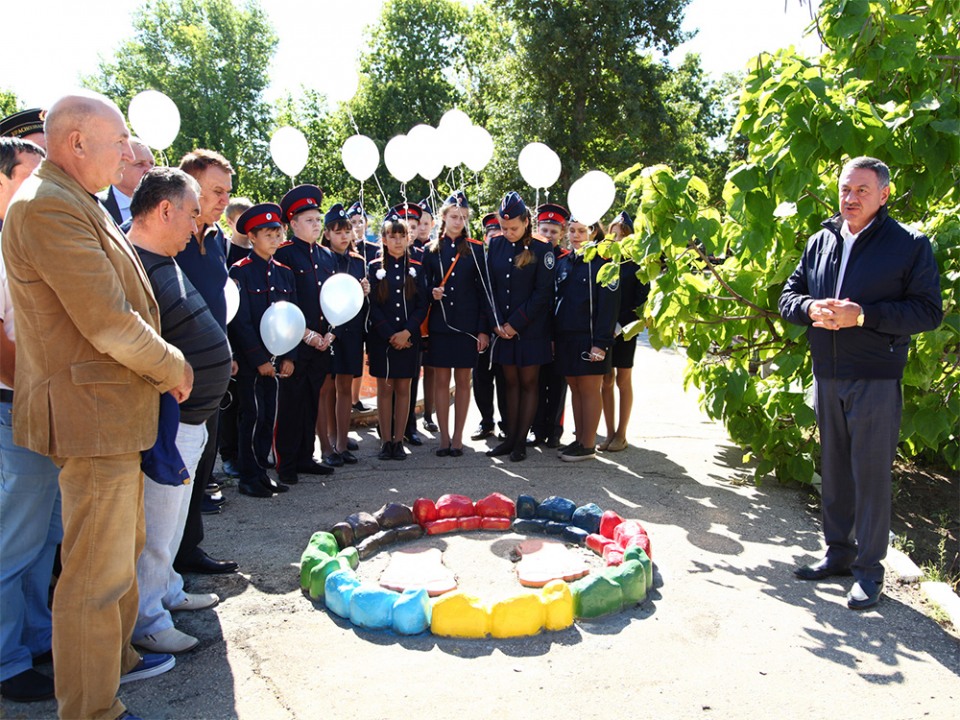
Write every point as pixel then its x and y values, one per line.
pixel 456 452
pixel 518 455
pixel 201 563
pixel 482 433
pixel 503 448
pixel 28 686
pixel 412 438
pixel 273 485
pixel 312 467
pixel 360 407
pixel 289 477
pixel 429 424
pixel 533 439
pixel 821 570
pixel 334 459
pixel 398 452
pixel 864 594
pixel 348 457
pixel 553 442
pixel 442 452
pixel 209 507
pixel 352 445
pixel 254 489
pixel 386 451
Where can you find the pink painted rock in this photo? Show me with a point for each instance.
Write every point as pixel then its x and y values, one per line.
pixel 544 560
pixel 413 568
pixel 613 554
pixel 424 510
pixel 608 523
pixel 626 530
pixel 641 541
pixel 454 506
pixel 598 542
pixel 441 526
pixel 469 523
pixel 496 505
pixel 495 523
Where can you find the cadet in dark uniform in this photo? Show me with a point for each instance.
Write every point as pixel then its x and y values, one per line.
pixel 300 393
pixel 398 307
pixel 548 423
pixel 522 271
pixel 459 323
pixel 584 320
pixel 358 220
pixel 424 233
pixel 262 281
pixel 347 360
pixel 633 294
pixel 487 375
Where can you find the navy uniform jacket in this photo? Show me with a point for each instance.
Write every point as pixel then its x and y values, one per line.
pixel 465 307
pixel 261 284
pixel 308 264
pixel 633 294
pixel 524 297
pixel 352 263
pixel 398 312
pixel 578 292
pixel 369 249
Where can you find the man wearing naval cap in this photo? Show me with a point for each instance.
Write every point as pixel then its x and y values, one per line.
pixel 26 125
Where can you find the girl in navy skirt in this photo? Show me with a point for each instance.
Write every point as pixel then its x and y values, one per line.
pixel 584 320
pixel 459 326
pixel 633 294
pixel 398 306
pixel 522 269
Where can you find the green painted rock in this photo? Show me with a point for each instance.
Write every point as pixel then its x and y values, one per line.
pixel 595 596
pixel 635 552
pixel 632 580
pixel 308 561
pixel 324 542
pixel 318 575
pixel 352 557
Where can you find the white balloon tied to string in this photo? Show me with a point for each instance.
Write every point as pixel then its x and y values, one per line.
pixel 155 118
pixel 360 156
pixel 478 148
pixel 453 128
pixel 427 148
pixel 591 196
pixel 539 165
pixel 400 158
pixel 289 150
pixel 341 298
pixel 282 327
pixel 231 294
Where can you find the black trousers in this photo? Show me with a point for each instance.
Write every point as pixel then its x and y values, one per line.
pixel 258 409
pixel 553 397
pixel 297 415
pixel 487 377
pixel 193 528
pixel 859 424
pixel 229 423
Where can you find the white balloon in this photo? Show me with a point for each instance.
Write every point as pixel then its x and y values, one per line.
pixel 451 145
pixel 232 295
pixel 341 298
pixel 360 156
pixel 427 149
pixel 400 158
pixel 155 118
pixel 478 149
pixel 289 150
pixel 539 165
pixel 455 120
pixel 340 86
pixel 591 196
pixel 282 327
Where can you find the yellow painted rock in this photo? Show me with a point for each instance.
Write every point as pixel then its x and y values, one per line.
pixel 457 614
pixel 518 616
pixel 557 605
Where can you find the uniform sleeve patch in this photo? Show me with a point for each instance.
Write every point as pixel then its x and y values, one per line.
pixel 549 260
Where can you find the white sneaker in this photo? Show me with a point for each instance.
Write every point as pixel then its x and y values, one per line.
pixel 170 640
pixel 196 601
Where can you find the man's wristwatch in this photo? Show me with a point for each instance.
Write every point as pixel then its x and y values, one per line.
pixel 860 318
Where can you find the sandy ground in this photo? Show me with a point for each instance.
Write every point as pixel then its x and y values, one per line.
pixel 728 633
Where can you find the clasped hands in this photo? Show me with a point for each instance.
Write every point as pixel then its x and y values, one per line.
pixel 505 331
pixel 831 314
pixel 401 340
pixel 267 369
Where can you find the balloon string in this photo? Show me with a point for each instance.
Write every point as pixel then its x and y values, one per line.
pixel 356 129
pixel 386 203
pixel 476 180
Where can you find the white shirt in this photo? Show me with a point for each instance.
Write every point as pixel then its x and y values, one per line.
pixel 123 205
pixel 6 310
pixel 849 239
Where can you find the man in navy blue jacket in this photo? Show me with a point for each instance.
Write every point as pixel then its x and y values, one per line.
pixel 864 285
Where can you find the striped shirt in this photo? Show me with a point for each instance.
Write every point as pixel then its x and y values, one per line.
pixel 187 323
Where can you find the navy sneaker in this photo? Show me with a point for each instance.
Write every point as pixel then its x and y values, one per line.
pixel 150 665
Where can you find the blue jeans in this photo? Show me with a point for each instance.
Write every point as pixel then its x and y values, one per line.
pixel 30 530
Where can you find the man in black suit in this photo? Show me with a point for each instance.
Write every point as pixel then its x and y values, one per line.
pixel 116 198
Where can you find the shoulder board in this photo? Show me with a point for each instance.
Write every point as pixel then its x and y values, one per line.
pixel 244 261
pixel 285 243
pixel 378 259
pixel 563 253
pixel 356 255
pixel 415 262
pixel 541 238
pixel 475 242
pixel 280 264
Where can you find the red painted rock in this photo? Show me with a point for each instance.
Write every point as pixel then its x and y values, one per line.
pixel 424 510
pixel 598 542
pixel 454 506
pixel 441 526
pixel 469 523
pixel 613 554
pixel 641 541
pixel 495 523
pixel 608 523
pixel 626 530
pixel 496 505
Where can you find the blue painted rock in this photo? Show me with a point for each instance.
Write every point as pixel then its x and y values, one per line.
pixel 526 507
pixel 574 535
pixel 522 525
pixel 554 528
pixel 588 517
pixel 411 612
pixel 557 509
pixel 371 607
pixel 337 590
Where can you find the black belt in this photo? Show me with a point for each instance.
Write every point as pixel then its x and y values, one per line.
pixel 6 395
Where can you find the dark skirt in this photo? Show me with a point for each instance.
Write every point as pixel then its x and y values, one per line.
pixel 451 350
pixel 347 356
pixel 569 357
pixel 623 351
pixel 385 362
pixel 522 352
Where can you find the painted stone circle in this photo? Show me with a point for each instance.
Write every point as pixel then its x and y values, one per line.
pixel 409 604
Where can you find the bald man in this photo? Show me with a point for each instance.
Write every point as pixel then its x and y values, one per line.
pixel 116 198
pixel 91 367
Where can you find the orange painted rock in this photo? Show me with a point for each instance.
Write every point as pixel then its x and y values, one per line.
pixel 425 510
pixel 544 560
pixel 441 526
pixel 450 506
pixel 412 568
pixel 608 523
pixel 469 523
pixel 598 542
pixel 496 505
pixel 495 523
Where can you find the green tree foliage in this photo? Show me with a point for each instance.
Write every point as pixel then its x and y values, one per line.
pixel 9 103
pixel 212 58
pixel 888 87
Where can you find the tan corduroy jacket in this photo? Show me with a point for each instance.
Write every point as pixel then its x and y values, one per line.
pixel 91 364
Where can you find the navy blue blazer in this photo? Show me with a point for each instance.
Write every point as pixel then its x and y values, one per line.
pixel 261 284
pixel 579 294
pixel 398 312
pixel 307 263
pixel 523 297
pixel 464 307
pixel 352 263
